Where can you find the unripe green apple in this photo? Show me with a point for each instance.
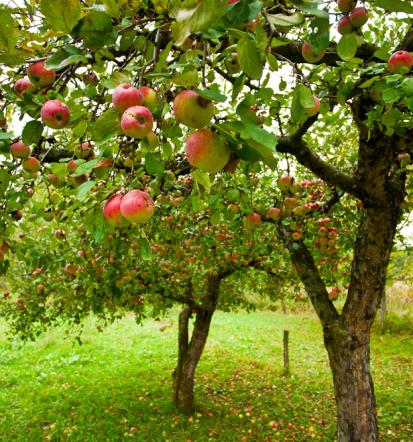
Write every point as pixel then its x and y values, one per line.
pixel 207 151
pixel 310 112
pixel 192 110
pixel 150 99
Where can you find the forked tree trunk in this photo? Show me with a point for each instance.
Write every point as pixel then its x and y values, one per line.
pixel 347 336
pixel 189 353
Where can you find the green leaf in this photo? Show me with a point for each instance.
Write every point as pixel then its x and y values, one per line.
pixel 32 132
pixel 86 167
pixel 249 58
pixel 202 178
pixel 311 6
pixel 62 59
pixel 198 19
pixel 153 164
pixel 145 249
pixel 96 29
pixel 186 79
pixel 285 20
pixel 306 97
pixel 390 95
pixel 212 94
pixel 62 15
pixel 347 46
pixel 112 8
pixel 260 135
pixel 4 181
pixel 80 129
pixel 265 153
pixel 84 189
pixel 107 125
pixel 59 169
pixel 395 5
pixel 8 32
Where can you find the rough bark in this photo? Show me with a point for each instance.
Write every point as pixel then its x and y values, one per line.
pixel 189 353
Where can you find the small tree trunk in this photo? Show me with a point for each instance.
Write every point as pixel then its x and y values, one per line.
pixel 189 356
pixel 353 385
pixel 190 353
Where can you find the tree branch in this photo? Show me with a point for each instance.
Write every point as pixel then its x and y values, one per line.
pixel 324 170
pixel 314 285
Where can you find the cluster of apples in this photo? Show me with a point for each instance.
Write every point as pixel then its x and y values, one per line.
pixel 136 207
pixel 204 149
pixel 354 16
pixel 294 212
pixel 53 113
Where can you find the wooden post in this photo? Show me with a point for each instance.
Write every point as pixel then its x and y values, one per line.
pixel 286 354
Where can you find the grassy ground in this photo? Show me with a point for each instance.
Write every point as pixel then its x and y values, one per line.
pixel 117 385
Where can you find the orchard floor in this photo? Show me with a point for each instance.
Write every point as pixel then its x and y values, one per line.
pixel 117 385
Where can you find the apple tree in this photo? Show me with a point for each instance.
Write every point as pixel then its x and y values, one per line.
pixel 206 88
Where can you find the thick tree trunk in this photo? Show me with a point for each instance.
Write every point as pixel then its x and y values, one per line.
pixel 353 386
pixel 347 336
pixel 189 353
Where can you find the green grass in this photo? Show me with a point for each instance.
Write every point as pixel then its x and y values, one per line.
pixel 117 385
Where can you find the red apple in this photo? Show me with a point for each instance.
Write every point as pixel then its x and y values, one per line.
pixel 39 75
pixel 359 16
pixel 192 110
pixel 344 25
pixel 150 99
pixel 20 150
pixel 400 60
pixel 309 54
pixel 55 114
pixel 111 211
pixel 125 96
pixel 346 5
pixel 252 220
pixel 207 151
pixel 137 122
pixel 230 2
pixel 22 86
pixel 296 236
pixel 285 183
pixel 31 164
pixel 274 213
pixel 290 203
pixel 137 207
